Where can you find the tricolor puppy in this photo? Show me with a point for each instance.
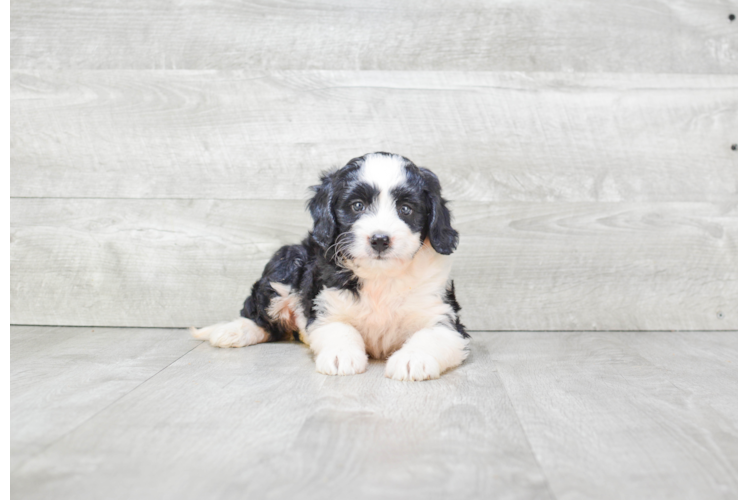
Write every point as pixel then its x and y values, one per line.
pixel 370 279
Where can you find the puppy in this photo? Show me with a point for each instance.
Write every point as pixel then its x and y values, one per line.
pixel 370 279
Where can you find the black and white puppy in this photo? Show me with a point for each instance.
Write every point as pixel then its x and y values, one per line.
pixel 370 279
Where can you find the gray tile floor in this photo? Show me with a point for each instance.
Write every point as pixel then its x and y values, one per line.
pixel 151 413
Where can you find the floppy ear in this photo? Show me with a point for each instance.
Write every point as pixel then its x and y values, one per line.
pixel 443 238
pixel 320 206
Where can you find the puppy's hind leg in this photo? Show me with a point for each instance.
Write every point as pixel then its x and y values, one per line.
pixel 269 313
pixel 238 333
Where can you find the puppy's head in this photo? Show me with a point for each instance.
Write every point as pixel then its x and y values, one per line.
pixel 378 209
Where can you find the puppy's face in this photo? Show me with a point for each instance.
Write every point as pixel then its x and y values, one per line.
pixel 378 209
pixel 381 213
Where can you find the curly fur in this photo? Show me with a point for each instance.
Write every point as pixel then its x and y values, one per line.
pixel 370 280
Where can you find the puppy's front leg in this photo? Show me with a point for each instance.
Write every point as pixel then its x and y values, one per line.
pixel 427 354
pixel 338 349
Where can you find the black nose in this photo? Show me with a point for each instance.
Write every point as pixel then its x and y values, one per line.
pixel 380 242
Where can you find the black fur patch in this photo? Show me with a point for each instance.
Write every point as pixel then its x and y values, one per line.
pixel 307 270
pixel 449 298
pixel 413 196
pixel 286 267
pixel 361 191
pixel 443 238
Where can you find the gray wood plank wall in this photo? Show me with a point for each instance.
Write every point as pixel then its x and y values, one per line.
pixel 490 136
pixel 630 36
pixel 160 153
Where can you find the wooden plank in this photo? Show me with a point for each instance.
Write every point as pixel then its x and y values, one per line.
pixel 261 423
pixel 532 266
pixel 598 266
pixel 607 415
pixel 62 377
pixel 653 36
pixel 490 136
pixel 741 19
pixel 622 415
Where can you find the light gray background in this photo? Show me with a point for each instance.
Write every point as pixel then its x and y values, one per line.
pixel 161 151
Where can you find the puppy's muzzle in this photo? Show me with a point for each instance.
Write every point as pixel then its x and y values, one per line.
pixel 379 242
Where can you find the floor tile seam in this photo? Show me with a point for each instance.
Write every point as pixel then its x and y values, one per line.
pixel 497 371
pixel 91 417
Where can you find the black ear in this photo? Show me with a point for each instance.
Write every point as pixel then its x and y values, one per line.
pixel 443 238
pixel 320 206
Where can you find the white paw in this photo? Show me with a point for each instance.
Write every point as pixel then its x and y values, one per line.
pixel 337 361
pixel 412 365
pixel 239 333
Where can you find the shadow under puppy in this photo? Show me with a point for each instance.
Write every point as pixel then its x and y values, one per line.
pixel 371 278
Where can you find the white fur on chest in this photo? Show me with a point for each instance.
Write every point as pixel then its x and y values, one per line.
pixel 391 305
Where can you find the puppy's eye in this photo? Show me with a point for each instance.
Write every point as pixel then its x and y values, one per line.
pixel 406 210
pixel 358 206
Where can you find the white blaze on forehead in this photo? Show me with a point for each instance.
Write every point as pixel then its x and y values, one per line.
pixel 384 172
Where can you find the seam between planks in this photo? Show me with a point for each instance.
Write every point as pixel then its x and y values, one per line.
pixel 549 486
pixel 188 198
pixel 33 456
pixel 661 371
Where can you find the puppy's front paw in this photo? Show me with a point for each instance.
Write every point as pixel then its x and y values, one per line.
pixel 336 361
pixel 412 365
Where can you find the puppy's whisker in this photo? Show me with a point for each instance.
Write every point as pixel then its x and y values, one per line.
pixel 340 240
pixel 341 246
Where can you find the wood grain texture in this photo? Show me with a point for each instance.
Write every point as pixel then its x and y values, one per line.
pixel 622 415
pixel 564 415
pixel 62 377
pixel 489 136
pixel 531 266
pixel 261 423
pixel 656 36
